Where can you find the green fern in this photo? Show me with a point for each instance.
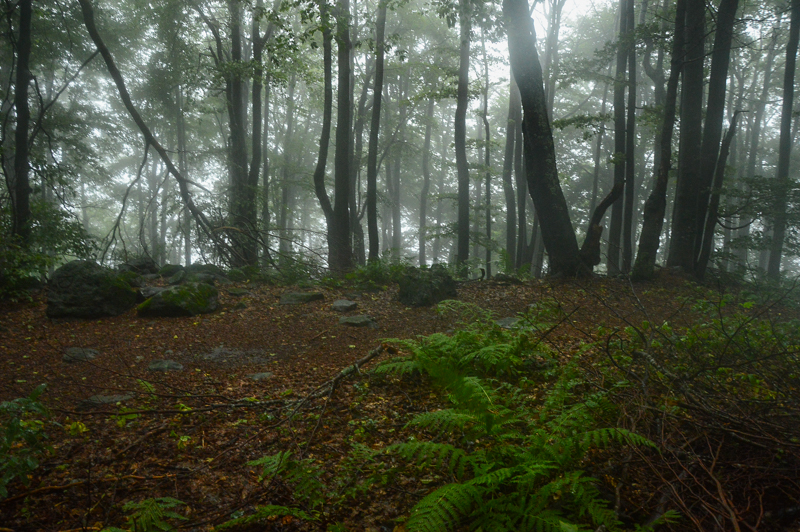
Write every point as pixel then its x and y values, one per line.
pixel 262 515
pixel 150 515
pixel 444 509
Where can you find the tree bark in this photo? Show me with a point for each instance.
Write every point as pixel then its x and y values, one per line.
pixel 22 188
pixel 508 167
pixel 784 148
pixel 340 257
pixel 372 155
pixel 656 204
pixel 460 131
pixel 619 159
pixel 426 183
pixel 630 144
pixel 715 112
pixel 542 175
pixel 684 213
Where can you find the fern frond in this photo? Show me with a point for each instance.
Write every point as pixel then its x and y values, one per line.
pixel 272 464
pixel 606 436
pixel 397 367
pixel 261 515
pixel 443 509
pixel 436 455
pixel 442 421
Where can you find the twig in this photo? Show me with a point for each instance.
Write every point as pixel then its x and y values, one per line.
pixel 46 489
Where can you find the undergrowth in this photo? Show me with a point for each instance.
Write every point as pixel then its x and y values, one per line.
pixel 514 438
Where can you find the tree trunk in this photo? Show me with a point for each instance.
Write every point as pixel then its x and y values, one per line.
pixel 684 213
pixel 22 188
pixel 372 156
pixel 598 150
pixel 630 142
pixel 460 131
pixel 508 166
pixel 713 207
pixel 715 112
pixel 283 220
pixel 615 227
pixel 784 148
pixel 426 183
pixel 655 206
pixel 487 159
pixel 558 235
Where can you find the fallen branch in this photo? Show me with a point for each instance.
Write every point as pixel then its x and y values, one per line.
pixel 47 489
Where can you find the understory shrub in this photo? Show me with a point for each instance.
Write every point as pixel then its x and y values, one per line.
pixel 22 441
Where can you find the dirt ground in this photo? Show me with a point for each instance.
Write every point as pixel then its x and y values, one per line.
pixel 188 433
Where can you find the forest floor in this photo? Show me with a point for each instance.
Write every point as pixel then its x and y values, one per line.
pixel 188 434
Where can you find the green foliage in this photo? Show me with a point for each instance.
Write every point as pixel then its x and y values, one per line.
pixel 376 275
pixel 55 234
pixel 150 515
pixel 22 438
pixel 517 459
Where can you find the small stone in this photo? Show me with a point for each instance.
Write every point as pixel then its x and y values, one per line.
pixel 260 376
pixel 297 298
pixel 238 292
pixel 164 365
pixel 362 320
pixel 508 323
pixel 344 305
pixel 100 400
pixel 79 354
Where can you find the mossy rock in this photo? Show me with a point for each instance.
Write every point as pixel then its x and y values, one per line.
pixel 84 289
pixel 213 269
pixel 299 298
pixel 184 300
pixel 245 274
pixel 168 270
pixel 134 279
pixel 426 287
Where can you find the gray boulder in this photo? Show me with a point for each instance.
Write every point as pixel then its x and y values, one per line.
pixel 344 305
pixel 298 298
pixel 140 265
pixel 359 321
pixel 184 300
pixel 84 289
pixel 79 354
pixel 425 287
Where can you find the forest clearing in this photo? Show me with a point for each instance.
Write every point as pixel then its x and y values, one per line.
pixel 253 380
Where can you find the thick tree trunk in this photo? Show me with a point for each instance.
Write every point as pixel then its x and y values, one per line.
pixel 684 213
pixel 508 167
pixel 460 131
pixel 784 148
pixel 558 235
pixel 426 183
pixel 340 256
pixel 372 155
pixel 655 206
pixel 22 187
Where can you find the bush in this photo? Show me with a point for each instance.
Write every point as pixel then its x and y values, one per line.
pixel 22 438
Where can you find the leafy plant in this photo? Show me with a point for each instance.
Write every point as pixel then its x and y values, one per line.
pixel 517 460
pixel 150 515
pixel 22 438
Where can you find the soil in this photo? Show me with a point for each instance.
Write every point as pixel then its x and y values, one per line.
pixel 189 433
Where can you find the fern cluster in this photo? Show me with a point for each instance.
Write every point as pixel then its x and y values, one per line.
pixel 515 458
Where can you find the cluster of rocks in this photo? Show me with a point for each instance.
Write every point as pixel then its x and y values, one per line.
pixel 85 289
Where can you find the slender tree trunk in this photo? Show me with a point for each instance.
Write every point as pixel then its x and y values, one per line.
pixel 522 188
pixel 426 183
pixel 372 156
pixel 460 131
pixel 437 241
pixel 713 207
pixel 286 185
pixel 655 206
pixel 598 150
pixel 508 167
pixel 355 161
pixel 715 112
pixel 784 148
pixel 630 144
pixel 22 188
pixel 615 227
pixel 755 134
pixel 487 159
